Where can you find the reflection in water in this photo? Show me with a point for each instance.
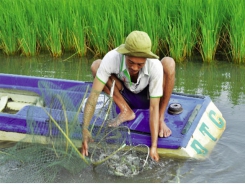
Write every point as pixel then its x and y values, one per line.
pixel 75 68
pixel 215 80
pixel 222 81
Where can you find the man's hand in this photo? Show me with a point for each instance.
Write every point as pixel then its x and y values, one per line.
pixel 153 153
pixel 86 138
pixel 85 148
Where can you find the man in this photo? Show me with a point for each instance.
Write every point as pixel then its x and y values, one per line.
pixel 141 81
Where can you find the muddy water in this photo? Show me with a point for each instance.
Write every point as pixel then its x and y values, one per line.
pixel 224 82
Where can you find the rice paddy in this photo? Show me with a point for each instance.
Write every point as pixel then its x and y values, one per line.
pixel 178 28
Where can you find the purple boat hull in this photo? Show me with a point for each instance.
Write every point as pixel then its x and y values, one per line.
pixel 192 131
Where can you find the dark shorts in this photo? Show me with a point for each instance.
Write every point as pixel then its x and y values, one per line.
pixel 136 101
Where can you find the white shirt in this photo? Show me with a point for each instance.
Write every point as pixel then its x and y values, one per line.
pixel 152 73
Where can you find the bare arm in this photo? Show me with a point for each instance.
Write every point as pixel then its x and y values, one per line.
pixel 91 102
pixel 154 126
pixel 89 112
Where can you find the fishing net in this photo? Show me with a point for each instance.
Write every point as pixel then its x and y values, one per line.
pixel 53 138
pixel 122 163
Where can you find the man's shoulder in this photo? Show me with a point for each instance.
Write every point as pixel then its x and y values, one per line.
pixel 113 54
pixel 112 57
pixel 154 63
pixel 151 60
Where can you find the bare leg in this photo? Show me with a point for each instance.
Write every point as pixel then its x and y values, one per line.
pixel 126 113
pixel 168 85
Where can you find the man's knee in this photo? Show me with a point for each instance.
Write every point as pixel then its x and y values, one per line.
pixel 95 65
pixel 168 65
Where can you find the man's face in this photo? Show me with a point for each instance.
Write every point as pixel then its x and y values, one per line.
pixel 134 64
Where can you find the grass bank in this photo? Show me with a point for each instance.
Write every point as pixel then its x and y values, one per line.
pixel 178 28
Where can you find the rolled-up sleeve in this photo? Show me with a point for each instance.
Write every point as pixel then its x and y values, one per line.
pixel 156 80
pixel 110 64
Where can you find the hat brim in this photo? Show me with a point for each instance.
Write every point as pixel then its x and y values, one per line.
pixel 122 50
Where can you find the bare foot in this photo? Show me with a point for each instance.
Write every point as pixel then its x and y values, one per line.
pixel 122 117
pixel 164 131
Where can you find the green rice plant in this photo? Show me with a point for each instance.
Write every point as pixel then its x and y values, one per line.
pixel 189 16
pixel 148 21
pixel 8 33
pixel 26 27
pixel 50 27
pixel 176 41
pixel 78 29
pixel 130 15
pixel 116 38
pixel 98 29
pixel 210 28
pixel 98 37
pixel 176 27
pixel 79 37
pixel 162 9
pixel 67 14
pixel 117 25
pixel 236 31
pixel 54 37
pixel 28 44
pixel 176 36
pixel 43 9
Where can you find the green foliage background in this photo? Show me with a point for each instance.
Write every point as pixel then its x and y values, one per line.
pixel 178 28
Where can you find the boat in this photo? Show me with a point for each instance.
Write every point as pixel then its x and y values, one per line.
pixel 195 121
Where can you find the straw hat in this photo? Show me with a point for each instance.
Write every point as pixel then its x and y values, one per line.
pixel 137 44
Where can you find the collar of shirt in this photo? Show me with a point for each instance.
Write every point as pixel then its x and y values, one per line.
pixel 142 72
